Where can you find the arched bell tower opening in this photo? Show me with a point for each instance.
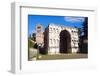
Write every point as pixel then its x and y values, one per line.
pixel 65 42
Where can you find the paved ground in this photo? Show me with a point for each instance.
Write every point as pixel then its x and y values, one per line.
pixel 63 56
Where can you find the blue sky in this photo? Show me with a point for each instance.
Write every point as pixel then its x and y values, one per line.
pixel 47 19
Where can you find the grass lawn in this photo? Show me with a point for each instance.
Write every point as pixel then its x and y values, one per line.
pixel 63 56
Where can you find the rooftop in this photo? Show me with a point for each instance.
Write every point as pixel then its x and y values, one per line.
pixel 68 26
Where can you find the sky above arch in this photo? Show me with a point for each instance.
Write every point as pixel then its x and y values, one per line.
pixel 73 21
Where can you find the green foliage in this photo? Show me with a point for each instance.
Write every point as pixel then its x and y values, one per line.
pixel 30 43
pixel 79 31
pixel 85 27
pixel 34 36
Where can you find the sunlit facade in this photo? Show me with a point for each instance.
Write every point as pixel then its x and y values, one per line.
pixel 56 39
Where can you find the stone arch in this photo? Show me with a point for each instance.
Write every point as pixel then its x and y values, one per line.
pixel 65 42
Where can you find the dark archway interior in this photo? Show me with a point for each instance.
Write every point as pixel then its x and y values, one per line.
pixel 65 41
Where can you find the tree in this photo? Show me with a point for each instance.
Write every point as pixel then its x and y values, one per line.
pixel 85 27
pixel 84 45
pixel 34 36
pixel 80 32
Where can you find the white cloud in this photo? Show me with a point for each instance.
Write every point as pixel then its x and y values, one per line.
pixel 74 19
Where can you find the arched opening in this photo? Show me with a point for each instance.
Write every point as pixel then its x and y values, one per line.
pixel 65 41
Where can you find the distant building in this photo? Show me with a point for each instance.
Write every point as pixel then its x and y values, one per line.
pixel 39 35
pixel 40 38
pixel 61 39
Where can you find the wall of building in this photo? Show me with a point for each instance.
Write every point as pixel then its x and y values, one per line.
pixel 54 38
